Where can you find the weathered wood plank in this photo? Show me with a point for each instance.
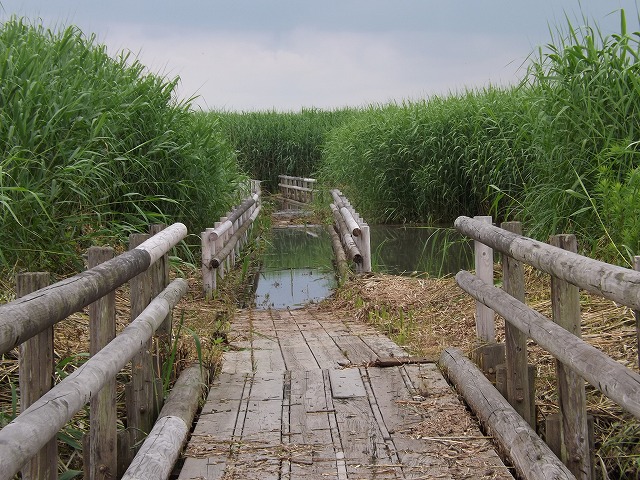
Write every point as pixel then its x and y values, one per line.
pixel 354 348
pixel 309 427
pixel 267 356
pixel 383 346
pixel 347 383
pixel 324 349
pixel 297 354
pixel 362 440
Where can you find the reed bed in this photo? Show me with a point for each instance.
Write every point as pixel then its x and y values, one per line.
pixel 94 147
pixel 558 152
pixel 271 143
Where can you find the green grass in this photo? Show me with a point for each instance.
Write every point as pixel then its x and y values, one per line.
pixel 93 147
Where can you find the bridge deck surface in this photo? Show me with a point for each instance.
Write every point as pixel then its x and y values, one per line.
pixel 298 399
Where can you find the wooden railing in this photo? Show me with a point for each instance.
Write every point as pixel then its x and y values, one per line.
pixel 567 433
pixel 350 236
pixel 28 442
pixel 222 244
pixel 296 190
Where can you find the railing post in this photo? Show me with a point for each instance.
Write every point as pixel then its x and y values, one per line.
pixel 485 323
pixel 520 396
pixel 102 455
pixel 159 281
pixel 36 378
pixel 565 301
pixel 636 313
pixel 140 392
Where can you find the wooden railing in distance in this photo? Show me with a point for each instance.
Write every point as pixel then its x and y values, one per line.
pixel 296 190
pixel 27 442
pixel 350 236
pixel 222 244
pixel 568 433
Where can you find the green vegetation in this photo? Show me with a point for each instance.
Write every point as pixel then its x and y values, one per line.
pixel 94 147
pixel 559 152
pixel 272 143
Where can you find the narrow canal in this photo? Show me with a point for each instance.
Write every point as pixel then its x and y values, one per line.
pixel 297 265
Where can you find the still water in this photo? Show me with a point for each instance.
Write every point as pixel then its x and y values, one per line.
pixel 406 250
pixel 297 269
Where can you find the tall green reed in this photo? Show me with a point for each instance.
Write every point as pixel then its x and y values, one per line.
pixel 584 177
pixel 95 147
pixel 271 143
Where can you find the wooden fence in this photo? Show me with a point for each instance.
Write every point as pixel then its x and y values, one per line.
pixel 222 244
pixel 29 441
pixel 350 236
pixel 296 190
pixel 568 433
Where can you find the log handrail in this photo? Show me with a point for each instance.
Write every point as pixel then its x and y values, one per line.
pixel 613 379
pixel 610 281
pixel 33 428
pixel 27 316
pixel 221 244
pixel 352 231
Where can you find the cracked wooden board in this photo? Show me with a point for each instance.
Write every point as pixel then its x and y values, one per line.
pixel 297 415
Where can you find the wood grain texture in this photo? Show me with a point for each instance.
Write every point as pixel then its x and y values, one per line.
pixel 530 456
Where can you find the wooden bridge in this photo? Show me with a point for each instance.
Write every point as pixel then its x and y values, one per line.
pixel 305 395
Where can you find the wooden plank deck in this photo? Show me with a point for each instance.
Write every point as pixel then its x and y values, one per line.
pixel 297 399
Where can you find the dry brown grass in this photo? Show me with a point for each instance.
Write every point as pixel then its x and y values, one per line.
pixel 426 315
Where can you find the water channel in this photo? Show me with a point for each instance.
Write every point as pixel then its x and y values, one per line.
pixel 297 266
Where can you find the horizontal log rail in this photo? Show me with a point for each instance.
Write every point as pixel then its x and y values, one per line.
pixel 25 317
pixel 530 456
pixel 352 232
pixel 31 430
pixel 223 243
pixel 610 281
pixel 297 190
pixel 610 377
pixel 28 441
pixel 160 450
pixel 568 433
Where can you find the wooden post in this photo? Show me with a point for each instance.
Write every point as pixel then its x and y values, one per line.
pixel 159 281
pixel 140 392
pixel 36 378
pixel 219 245
pixel 366 247
pixel 485 324
pixel 518 392
pixel 636 313
pixel 565 301
pixel 102 414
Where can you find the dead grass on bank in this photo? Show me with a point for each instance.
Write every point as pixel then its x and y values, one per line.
pixel 426 315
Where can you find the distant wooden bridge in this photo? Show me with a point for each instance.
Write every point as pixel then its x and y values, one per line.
pixel 300 396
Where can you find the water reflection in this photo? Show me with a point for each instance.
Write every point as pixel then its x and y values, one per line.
pixel 402 250
pixel 297 269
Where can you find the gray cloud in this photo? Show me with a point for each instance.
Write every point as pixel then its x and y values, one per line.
pixel 285 54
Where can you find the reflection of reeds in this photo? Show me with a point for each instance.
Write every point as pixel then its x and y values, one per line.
pixel 418 250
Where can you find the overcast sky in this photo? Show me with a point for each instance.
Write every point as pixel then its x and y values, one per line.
pixel 288 54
